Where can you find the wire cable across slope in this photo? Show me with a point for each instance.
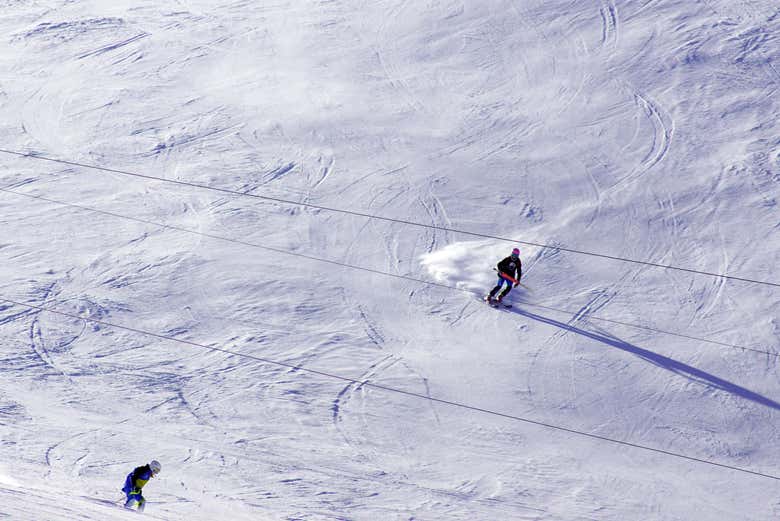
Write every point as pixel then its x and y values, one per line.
pixel 388 219
pixel 377 272
pixel 365 383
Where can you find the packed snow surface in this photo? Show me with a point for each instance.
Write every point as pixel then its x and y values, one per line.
pixel 333 366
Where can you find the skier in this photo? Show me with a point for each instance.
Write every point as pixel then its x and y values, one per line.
pixel 509 269
pixel 135 482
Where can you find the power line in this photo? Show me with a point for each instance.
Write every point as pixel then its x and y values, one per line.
pixel 366 383
pixel 375 271
pixel 384 218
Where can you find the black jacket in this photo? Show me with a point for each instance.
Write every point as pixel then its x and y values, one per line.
pixel 137 479
pixel 511 267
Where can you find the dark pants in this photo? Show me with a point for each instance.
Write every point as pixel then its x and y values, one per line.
pixel 501 282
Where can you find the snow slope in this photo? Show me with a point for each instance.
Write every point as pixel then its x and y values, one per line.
pixel 645 130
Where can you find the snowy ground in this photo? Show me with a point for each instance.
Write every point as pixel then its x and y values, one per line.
pixel 645 129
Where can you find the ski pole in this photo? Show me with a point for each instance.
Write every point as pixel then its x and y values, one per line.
pixel 511 279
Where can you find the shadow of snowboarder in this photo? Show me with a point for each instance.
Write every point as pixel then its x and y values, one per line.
pixel 670 364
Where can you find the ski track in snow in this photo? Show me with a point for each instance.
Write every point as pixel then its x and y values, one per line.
pixel 660 142
pixel 609 32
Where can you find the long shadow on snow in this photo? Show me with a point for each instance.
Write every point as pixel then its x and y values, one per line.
pixel 665 362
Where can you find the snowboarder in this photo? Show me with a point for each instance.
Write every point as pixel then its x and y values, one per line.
pixel 510 270
pixel 135 482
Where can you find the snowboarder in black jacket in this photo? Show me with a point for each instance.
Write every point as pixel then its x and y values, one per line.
pixel 509 272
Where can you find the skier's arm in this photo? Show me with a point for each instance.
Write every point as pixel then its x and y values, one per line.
pixel 519 272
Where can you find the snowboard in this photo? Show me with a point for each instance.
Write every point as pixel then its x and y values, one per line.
pixel 493 303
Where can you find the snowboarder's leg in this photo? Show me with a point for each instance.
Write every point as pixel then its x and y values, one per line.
pixel 501 282
pixel 493 292
pixel 134 498
pixel 141 504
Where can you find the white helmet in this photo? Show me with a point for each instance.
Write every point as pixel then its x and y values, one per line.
pixel 155 466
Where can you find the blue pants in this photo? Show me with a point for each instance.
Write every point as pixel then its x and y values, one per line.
pixel 501 282
pixel 133 494
pixel 135 498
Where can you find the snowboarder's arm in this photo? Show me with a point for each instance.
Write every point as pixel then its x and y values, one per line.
pixel 141 476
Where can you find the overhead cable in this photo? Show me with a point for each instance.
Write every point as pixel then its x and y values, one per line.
pixel 372 385
pixel 377 272
pixel 238 193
